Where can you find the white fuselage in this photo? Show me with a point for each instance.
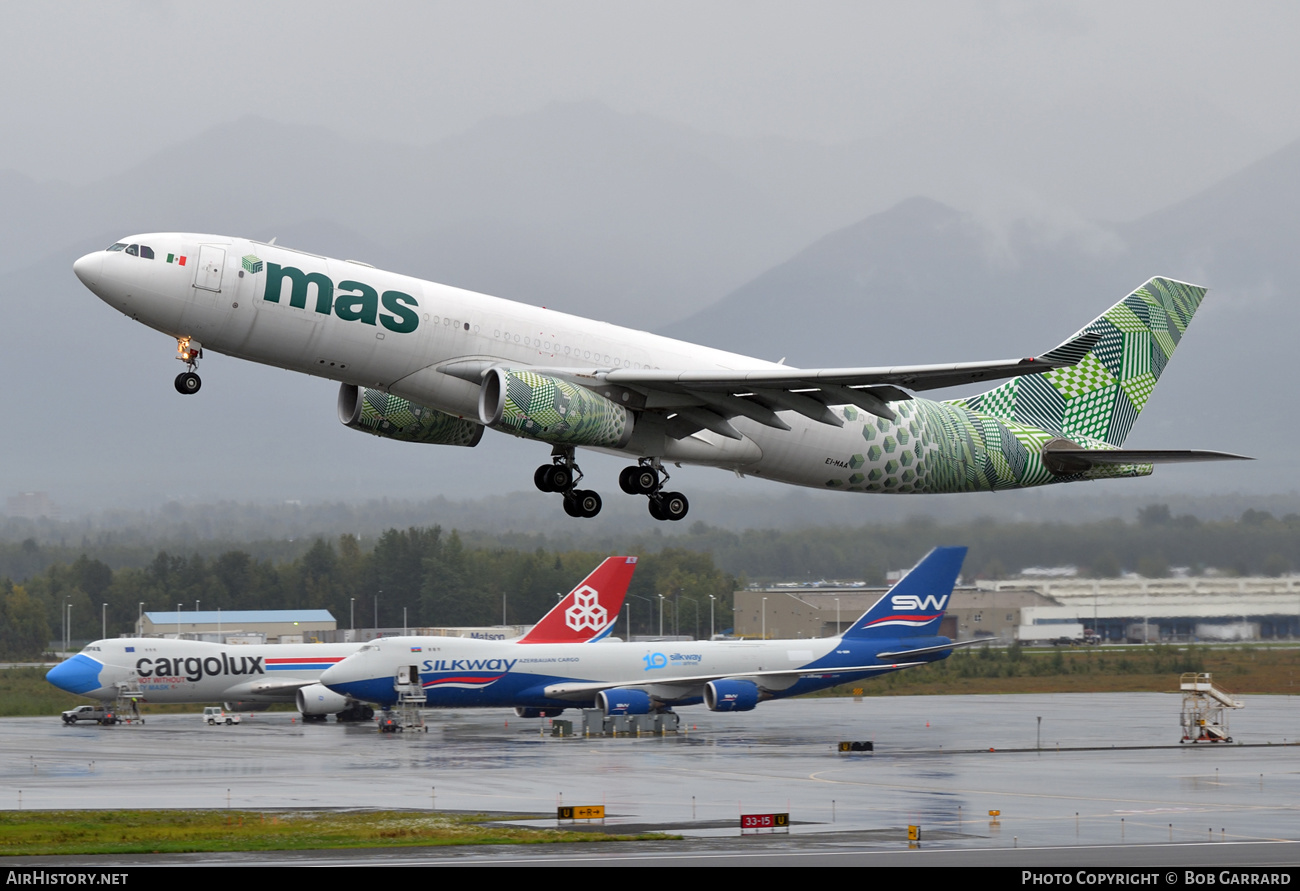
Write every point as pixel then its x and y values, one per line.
pixel 399 331
pixel 175 671
pixel 472 673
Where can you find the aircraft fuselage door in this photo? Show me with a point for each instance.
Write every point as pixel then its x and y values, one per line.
pixel 212 260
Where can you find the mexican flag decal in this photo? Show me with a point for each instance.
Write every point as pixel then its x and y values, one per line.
pixel 176 258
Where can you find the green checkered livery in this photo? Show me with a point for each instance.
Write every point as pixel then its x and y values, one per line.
pixel 1101 397
pixel 994 440
pixel 552 410
pixel 395 418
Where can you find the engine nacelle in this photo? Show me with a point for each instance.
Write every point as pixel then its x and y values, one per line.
pixel 525 712
pixel 624 701
pixel 730 696
pixel 383 414
pixel 546 408
pixel 317 699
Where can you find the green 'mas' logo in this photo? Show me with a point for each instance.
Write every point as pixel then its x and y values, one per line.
pixel 355 301
pixel 252 264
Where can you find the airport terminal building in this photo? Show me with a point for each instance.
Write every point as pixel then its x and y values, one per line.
pixel 1135 609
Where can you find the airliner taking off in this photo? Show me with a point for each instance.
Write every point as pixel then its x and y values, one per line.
pixel 423 362
pixel 900 630
pixel 148 669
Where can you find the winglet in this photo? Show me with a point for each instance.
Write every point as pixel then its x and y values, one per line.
pixel 913 607
pixel 590 610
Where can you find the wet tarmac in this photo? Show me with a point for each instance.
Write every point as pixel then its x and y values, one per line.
pixel 1100 770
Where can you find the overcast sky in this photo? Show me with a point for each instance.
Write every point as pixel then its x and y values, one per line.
pixel 1071 111
pixel 92 86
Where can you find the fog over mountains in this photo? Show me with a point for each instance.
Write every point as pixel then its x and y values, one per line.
pixel 769 247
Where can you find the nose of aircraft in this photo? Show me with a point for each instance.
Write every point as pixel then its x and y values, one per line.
pixel 80 674
pixel 355 677
pixel 87 268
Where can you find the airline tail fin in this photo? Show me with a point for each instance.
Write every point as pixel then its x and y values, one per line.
pixel 590 610
pixel 1100 397
pixel 913 607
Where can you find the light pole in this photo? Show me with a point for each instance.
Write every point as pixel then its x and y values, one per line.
pixel 661 615
pixel 629 626
pixel 139 621
pixel 178 621
pixel 711 631
pixel 837 617
pixel 103 618
pixel 764 618
pixel 352 614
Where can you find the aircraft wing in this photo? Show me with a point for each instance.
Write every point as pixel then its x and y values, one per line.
pixel 585 690
pixel 708 400
pixel 285 687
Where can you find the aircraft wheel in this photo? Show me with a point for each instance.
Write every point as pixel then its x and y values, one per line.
pixel 588 502
pixel 542 477
pixel 559 478
pixel 647 480
pixel 572 508
pixel 627 480
pixel 675 505
pixel 657 509
pixel 187 382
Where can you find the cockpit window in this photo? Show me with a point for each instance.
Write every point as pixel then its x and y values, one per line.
pixel 146 252
pixel 133 250
pixel 120 246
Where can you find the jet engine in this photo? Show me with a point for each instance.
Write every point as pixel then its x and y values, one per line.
pixel 384 414
pixel 317 699
pixel 625 701
pixel 730 695
pixel 552 410
pixel 526 712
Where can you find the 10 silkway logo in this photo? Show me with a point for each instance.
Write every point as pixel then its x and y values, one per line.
pixel 349 300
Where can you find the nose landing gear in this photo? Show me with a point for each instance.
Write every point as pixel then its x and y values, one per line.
pixel 648 478
pixel 563 475
pixel 189 352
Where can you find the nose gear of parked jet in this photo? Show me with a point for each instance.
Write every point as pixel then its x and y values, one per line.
pixel 563 475
pixel 648 478
pixel 189 352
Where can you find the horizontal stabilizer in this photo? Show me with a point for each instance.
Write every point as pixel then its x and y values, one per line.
pixel 1070 459
pixel 921 651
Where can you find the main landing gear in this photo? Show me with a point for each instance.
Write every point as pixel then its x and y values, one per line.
pixel 189 352
pixel 648 478
pixel 563 475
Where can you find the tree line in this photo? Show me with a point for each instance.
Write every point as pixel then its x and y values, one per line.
pixel 425 576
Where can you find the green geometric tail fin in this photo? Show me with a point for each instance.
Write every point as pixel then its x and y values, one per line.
pixel 1101 396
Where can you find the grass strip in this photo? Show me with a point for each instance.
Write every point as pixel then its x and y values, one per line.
pixel 181 831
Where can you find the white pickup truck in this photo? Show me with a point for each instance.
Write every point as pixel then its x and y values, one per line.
pixel 99 713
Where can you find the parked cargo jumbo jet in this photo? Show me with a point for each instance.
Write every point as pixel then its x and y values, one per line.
pixel 178 671
pixel 428 363
pixel 899 631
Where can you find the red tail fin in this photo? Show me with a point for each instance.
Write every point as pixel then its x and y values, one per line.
pixel 590 610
